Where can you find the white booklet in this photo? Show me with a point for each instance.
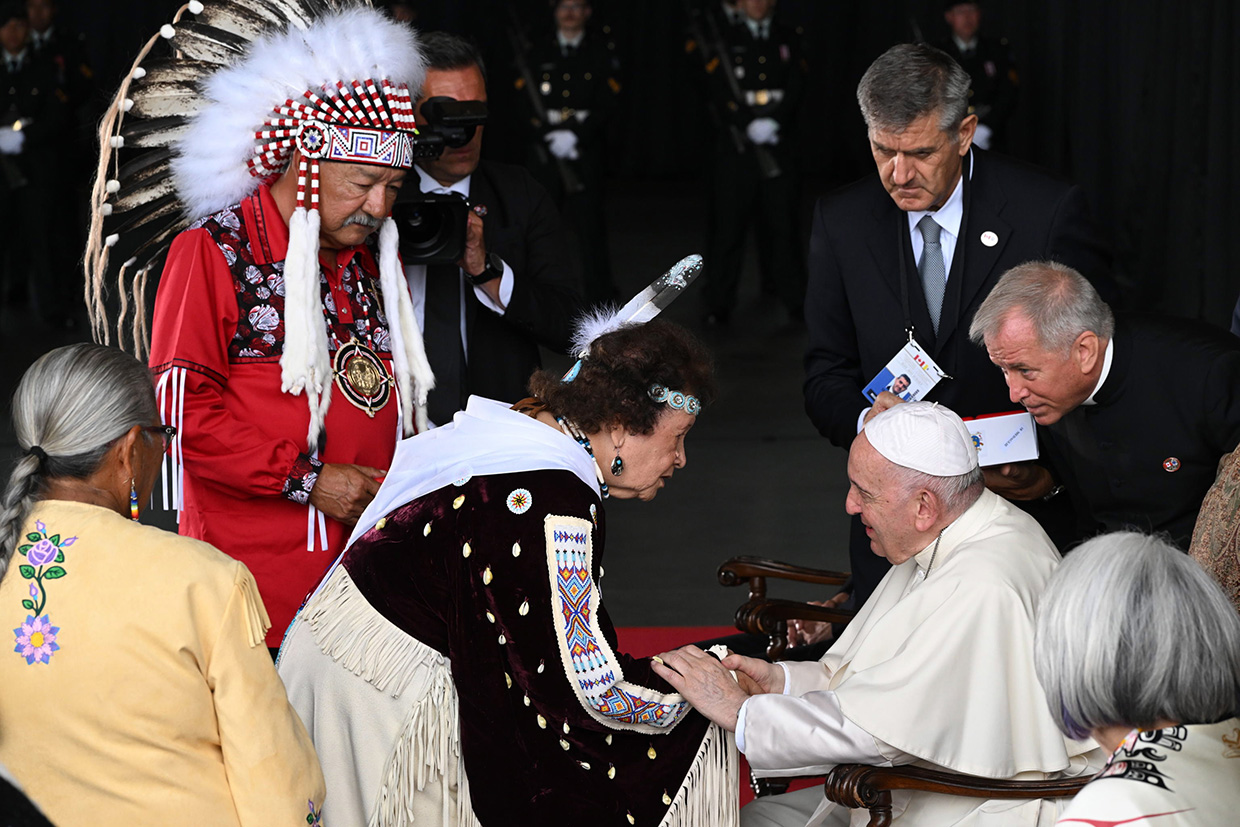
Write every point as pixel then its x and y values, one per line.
pixel 910 375
pixel 1002 438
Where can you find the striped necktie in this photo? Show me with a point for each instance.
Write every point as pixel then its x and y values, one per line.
pixel 933 273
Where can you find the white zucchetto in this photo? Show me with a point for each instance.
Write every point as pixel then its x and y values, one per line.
pixel 923 436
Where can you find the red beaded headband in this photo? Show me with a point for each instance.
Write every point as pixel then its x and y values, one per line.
pixel 365 122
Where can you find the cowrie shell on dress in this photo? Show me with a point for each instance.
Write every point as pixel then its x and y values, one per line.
pixel 458 502
pixel 502 640
pixel 563 744
pixel 466 550
pixel 542 664
pixel 542 722
pixel 607 740
pixel 629 816
pixel 566 727
pixel 490 617
pixel 486 576
pixel 989 238
pixel 516 549
pixel 426 530
pixel 667 799
pixel 611 770
pixel 584 765
pixel 527 700
pixel 508 680
pixel 651 754
pixel 382 522
pixel 525 608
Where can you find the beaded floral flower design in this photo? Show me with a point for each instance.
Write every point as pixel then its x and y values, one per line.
pixel 315 817
pixel 35 639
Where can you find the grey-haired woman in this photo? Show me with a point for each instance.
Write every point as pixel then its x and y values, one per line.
pixel 138 690
pixel 1139 648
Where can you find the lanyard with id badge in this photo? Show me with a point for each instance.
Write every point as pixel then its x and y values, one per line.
pixel 912 373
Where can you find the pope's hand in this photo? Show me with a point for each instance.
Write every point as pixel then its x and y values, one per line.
pixel 704 682
pixel 342 492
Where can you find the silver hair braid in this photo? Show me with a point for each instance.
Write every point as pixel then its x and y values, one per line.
pixel 72 404
pixel 20 496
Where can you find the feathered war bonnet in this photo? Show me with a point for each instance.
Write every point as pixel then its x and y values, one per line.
pixel 336 87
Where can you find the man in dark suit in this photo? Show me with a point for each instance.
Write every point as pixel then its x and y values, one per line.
pixel 915 249
pixel 484 317
pixel 1135 412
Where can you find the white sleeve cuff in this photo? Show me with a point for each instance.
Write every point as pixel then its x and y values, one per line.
pixel 787 676
pixel 740 726
pixel 505 293
pixel 861 419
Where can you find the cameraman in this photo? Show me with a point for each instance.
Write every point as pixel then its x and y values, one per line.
pixel 484 316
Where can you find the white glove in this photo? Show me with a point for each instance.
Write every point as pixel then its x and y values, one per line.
pixel 563 143
pixel 11 141
pixel 982 136
pixel 763 131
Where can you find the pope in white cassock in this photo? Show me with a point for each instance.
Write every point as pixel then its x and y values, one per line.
pixel 936 669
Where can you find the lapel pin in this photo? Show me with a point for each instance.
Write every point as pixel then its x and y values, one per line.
pixel 481 210
pixel 989 238
pixel 1172 464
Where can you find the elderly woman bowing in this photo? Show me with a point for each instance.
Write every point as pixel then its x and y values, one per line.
pixel 458 666
pixel 138 690
pixel 1137 647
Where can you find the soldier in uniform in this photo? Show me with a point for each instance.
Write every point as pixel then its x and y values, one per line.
pixel 988 60
pixel 34 125
pixel 757 82
pixel 576 75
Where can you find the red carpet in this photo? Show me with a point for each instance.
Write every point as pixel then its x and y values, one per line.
pixel 643 641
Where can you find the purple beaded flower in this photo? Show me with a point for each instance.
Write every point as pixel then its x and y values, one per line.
pixel 36 639
pixel 42 553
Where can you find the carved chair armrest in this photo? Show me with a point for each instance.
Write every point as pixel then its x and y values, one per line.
pixel 859 786
pixel 770 617
pixel 755 570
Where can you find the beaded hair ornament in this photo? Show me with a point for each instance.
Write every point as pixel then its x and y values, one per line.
pixel 640 309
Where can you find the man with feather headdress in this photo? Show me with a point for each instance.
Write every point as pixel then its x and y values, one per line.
pixel 284 342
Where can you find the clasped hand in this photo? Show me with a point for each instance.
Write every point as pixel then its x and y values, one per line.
pixel 342 492
pixel 708 685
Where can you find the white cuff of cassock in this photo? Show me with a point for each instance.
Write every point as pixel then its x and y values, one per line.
pixel 740 716
pixel 505 293
pixel 816 735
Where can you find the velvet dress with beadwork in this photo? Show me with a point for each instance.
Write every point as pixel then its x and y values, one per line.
pixel 502 574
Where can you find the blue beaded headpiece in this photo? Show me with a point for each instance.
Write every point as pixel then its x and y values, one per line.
pixel 679 400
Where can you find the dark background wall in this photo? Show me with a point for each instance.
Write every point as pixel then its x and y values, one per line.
pixel 1134 100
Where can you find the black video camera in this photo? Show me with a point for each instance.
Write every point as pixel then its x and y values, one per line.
pixel 432 225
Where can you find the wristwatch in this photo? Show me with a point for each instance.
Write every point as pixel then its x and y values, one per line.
pixel 494 269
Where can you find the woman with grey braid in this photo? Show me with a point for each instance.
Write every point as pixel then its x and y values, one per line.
pixel 138 688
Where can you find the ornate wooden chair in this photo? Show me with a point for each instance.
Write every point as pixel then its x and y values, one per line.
pixel 856 786
pixel 762 615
